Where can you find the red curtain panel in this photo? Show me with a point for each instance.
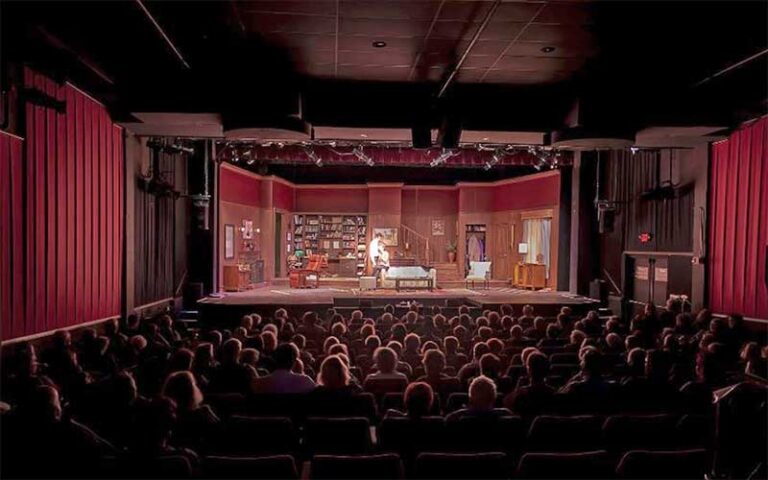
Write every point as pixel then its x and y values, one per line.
pixel 62 210
pixel 738 226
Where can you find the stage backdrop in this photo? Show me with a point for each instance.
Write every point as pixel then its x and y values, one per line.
pixel 738 229
pixel 62 213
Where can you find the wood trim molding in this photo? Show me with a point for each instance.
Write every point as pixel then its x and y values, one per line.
pixel 506 181
pixel 535 214
pixel 46 333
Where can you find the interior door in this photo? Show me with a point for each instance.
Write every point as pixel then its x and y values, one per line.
pixel 278 243
pixel 502 245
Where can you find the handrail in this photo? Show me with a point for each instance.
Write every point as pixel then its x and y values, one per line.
pixel 408 232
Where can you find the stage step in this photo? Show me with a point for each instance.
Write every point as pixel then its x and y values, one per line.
pixel 448 272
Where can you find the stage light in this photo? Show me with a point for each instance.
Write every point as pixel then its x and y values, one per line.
pixel 249 155
pixel 495 160
pixel 634 150
pixel 314 157
pixel 442 158
pixel 360 154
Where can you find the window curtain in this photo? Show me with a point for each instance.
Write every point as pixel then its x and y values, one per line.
pixel 536 232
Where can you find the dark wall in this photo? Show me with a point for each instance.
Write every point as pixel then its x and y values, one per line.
pixel 625 176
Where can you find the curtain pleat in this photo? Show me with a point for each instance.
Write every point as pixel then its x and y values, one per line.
pixel 738 230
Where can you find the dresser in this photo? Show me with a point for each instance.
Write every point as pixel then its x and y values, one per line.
pixel 531 275
pixel 236 277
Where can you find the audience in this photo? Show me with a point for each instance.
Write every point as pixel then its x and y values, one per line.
pixel 139 390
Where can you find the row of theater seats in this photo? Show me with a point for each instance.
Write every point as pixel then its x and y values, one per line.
pixel 635 464
pixel 616 434
pixel 374 407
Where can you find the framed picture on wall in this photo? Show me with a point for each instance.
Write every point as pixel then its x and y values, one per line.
pixel 229 242
pixel 438 228
pixel 247 229
pixel 388 235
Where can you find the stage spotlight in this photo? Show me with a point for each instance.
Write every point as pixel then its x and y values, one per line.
pixel 360 154
pixel 442 158
pixel 634 150
pixel 251 159
pixel 314 157
pixel 495 159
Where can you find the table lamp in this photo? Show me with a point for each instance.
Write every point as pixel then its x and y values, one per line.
pixel 522 249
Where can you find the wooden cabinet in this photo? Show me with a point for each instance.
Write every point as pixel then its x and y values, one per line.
pixel 236 277
pixel 531 275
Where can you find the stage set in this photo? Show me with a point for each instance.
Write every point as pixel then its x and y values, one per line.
pixel 364 246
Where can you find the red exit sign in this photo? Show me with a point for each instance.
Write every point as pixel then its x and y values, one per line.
pixel 645 237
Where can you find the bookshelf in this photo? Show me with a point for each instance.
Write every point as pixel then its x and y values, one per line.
pixel 341 237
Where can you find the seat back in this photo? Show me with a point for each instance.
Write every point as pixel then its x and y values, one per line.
pixel 629 432
pixel 550 433
pixel 381 386
pixel 458 465
pixel 277 467
pixel 492 434
pixel 245 435
pixel 359 466
pixel 409 437
pixel 348 435
pixel 664 464
pixel 595 464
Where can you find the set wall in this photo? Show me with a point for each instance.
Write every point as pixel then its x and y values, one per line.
pixel 62 209
pixel 421 205
pixel 331 199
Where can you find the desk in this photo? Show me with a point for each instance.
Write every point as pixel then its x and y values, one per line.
pixel 531 275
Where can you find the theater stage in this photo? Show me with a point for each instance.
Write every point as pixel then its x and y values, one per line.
pixel 227 308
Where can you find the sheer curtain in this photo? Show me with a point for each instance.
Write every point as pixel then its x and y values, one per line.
pixel 536 233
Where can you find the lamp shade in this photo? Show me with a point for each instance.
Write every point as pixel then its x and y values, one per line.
pixel 522 248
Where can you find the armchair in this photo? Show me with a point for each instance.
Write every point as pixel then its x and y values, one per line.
pixel 478 272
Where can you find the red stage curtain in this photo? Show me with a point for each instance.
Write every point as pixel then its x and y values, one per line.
pixel 62 211
pixel 738 229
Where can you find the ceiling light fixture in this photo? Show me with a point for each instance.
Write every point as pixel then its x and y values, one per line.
pixel 379 44
pixel 548 49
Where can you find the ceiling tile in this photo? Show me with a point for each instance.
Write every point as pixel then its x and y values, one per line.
pixel 384 28
pixel 365 43
pixel 556 34
pixel 318 70
pixel 523 78
pixel 389 9
pixel 392 74
pixel 301 41
pixel 479 61
pixel 566 14
pixel 516 11
pixel 533 49
pixel 306 7
pixel 393 57
pixel 538 63
pixel 463 10
pixel 270 22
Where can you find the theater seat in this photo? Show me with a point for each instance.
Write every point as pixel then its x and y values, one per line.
pixel 409 437
pixel 358 405
pixel 596 464
pixel 350 435
pixel 277 467
pixel 244 435
pixel 695 431
pixel 629 432
pixel 550 433
pixel 460 466
pixel 380 466
pixel 506 434
pixel 564 358
pixel 664 464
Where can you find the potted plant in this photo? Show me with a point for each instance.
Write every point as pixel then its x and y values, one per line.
pixel 451 249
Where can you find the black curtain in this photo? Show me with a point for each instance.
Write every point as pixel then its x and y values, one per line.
pixel 155 230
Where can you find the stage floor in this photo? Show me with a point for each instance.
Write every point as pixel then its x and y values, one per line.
pixel 226 308
pixel 274 295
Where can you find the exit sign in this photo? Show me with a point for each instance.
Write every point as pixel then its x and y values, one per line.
pixel 645 237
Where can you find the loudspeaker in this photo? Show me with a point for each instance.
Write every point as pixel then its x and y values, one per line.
pixel 605 220
pixel 598 291
pixel 421 136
